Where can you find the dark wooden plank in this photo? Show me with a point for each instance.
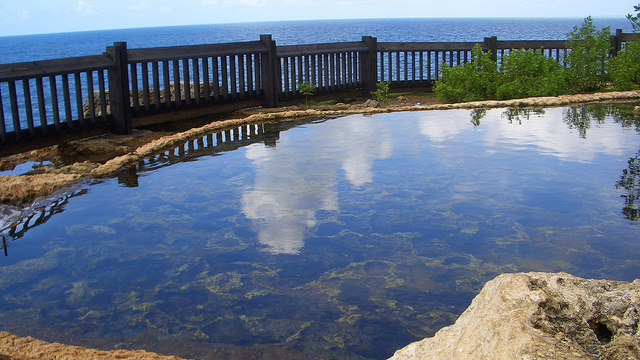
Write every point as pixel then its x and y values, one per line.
pixel 300 62
pixel 334 71
pixel 146 98
pixel 314 70
pixel 135 101
pixel 196 80
pixel 176 83
pixel 192 51
pixel 15 114
pixel 79 99
pixel 216 81
pixel 307 69
pixel 67 101
pixel 103 95
pixel 356 68
pixel 350 79
pixel 343 66
pixel 250 82
pixel 91 98
pixel 54 102
pixel 429 77
pixel 531 44
pixel 42 109
pixel 206 79
pixel 421 64
pixel 155 71
pixel 224 73
pixel 309 49
pixel 258 72
pixel 437 65
pixel 28 106
pixel 285 71
pixel 32 69
pixel 3 129
pixel 398 78
pixel 234 76
pixel 325 71
pixel 241 75
pixel 406 65
pixel 187 82
pixel 166 83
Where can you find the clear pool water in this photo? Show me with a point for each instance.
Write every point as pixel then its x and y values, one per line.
pixel 341 238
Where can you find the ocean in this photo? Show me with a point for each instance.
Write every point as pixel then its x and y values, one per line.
pixel 60 45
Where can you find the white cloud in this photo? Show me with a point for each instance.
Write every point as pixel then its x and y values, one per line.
pixel 83 7
pixel 298 178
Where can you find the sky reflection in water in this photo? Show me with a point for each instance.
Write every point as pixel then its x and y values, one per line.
pixel 344 238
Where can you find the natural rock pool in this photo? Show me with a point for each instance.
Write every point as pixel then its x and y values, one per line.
pixel 341 238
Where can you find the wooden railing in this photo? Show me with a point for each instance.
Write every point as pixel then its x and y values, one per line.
pixel 47 99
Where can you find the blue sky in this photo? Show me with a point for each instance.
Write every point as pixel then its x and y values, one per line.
pixel 49 16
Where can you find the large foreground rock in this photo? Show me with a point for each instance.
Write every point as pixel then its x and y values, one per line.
pixel 541 316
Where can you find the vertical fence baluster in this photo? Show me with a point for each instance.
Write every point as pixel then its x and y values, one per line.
pixel 91 97
pixel 156 84
pixel 224 71
pixel 145 87
pixel 186 69
pixel 205 78
pixel 176 83
pixel 28 105
pixel 216 80
pixel 3 129
pixel 103 95
pixel 54 102
pixel 135 100
pixel 167 84
pixel 79 99
pixel 15 115
pixel 196 80
pixel 241 75
pixel 67 101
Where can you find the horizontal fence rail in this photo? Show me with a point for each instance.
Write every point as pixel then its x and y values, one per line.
pixel 50 98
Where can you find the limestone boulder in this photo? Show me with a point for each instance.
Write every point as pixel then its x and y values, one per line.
pixel 541 316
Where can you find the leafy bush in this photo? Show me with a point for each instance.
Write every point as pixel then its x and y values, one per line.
pixel 382 92
pixel 588 58
pixel 307 89
pixel 469 82
pixel 525 73
pixel 624 68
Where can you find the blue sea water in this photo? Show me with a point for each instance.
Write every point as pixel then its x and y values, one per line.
pixel 60 45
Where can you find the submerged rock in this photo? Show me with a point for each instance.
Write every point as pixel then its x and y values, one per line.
pixel 541 316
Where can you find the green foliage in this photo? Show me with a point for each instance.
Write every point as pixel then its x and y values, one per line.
pixel 587 60
pixel 382 92
pixel 525 73
pixel 469 82
pixel 635 18
pixel 624 68
pixel 307 89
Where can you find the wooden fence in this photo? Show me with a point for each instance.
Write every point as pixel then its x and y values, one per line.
pixel 41 101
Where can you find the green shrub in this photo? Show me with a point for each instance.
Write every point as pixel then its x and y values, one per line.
pixel 382 92
pixel 624 68
pixel 475 80
pixel 588 58
pixel 307 89
pixel 525 73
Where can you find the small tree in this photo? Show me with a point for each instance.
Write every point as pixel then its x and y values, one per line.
pixel 625 67
pixel 588 56
pixel 382 92
pixel 307 89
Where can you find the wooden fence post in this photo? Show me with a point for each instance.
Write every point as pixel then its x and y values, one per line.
pixel 119 88
pixel 616 42
pixel 270 71
pixel 369 65
pixel 491 44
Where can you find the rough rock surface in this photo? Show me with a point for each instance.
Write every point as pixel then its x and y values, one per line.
pixel 14 347
pixel 541 316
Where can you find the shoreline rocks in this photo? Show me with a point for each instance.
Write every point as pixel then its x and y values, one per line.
pixel 541 316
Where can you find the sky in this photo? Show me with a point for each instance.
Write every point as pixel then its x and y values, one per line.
pixel 18 17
